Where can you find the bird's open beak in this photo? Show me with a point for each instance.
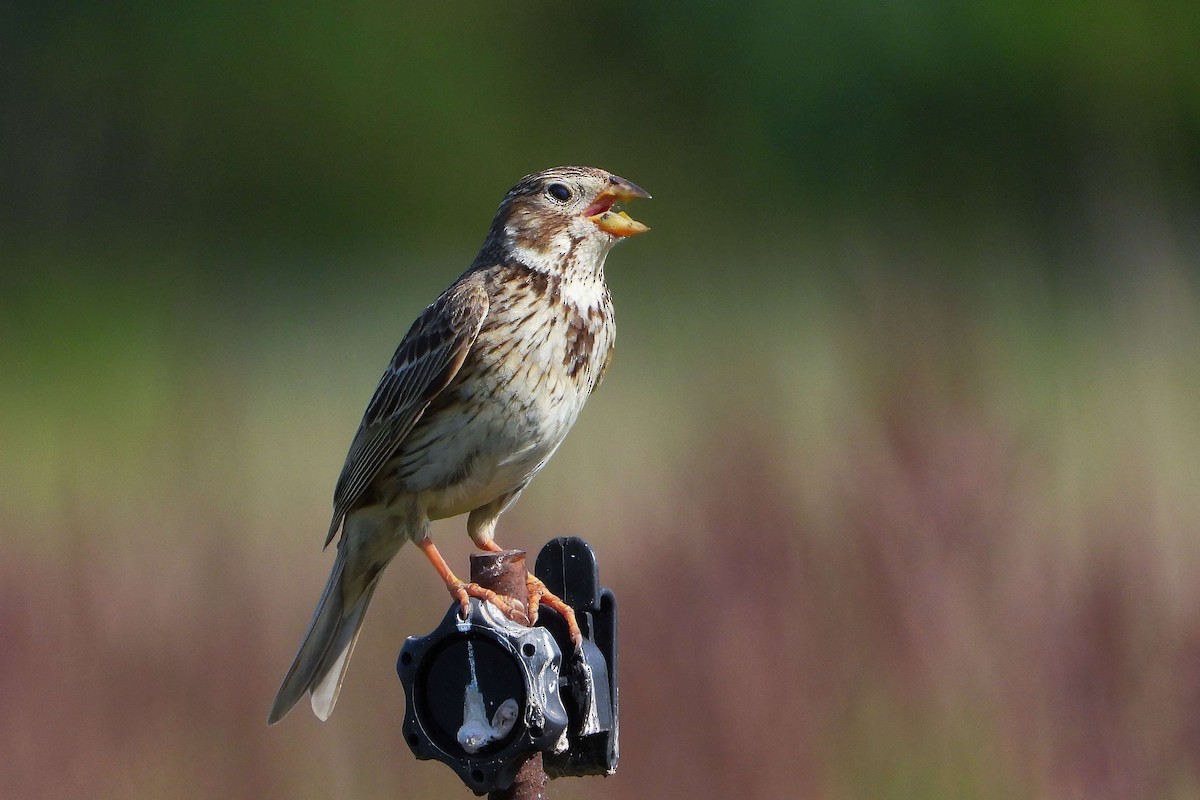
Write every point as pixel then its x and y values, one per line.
pixel 617 223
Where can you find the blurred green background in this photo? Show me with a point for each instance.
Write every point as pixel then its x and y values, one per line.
pixel 895 474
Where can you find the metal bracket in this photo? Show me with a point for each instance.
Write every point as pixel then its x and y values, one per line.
pixel 568 567
pixel 466 672
pixel 483 693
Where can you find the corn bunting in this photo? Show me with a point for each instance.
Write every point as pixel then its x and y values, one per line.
pixel 480 393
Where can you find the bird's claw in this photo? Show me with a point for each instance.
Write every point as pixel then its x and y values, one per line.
pixel 511 607
pixel 539 594
pixel 514 609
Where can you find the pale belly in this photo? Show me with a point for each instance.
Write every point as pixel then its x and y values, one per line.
pixel 466 451
pixel 510 406
pixel 496 462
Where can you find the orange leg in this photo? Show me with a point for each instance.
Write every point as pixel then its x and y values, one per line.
pixel 463 591
pixel 540 595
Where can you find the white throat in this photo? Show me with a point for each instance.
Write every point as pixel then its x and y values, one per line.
pixel 573 253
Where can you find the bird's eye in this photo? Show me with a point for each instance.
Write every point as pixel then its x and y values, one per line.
pixel 559 192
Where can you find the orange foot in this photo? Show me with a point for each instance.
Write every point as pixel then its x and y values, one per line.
pixel 463 591
pixel 511 607
pixel 539 595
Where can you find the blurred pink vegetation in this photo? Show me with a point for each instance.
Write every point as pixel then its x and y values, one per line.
pixel 943 620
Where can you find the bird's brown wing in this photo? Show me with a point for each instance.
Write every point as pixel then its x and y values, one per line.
pixel 426 361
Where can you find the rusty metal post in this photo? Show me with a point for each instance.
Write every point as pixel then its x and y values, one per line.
pixel 504 573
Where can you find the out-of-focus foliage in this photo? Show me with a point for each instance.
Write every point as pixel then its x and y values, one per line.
pixel 335 122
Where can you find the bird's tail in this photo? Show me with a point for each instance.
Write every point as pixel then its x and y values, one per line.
pixel 320 664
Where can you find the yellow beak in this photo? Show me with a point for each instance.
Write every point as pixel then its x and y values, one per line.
pixel 616 223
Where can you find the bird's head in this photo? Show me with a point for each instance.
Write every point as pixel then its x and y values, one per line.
pixel 566 212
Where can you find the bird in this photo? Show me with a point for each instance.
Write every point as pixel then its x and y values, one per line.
pixel 479 394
